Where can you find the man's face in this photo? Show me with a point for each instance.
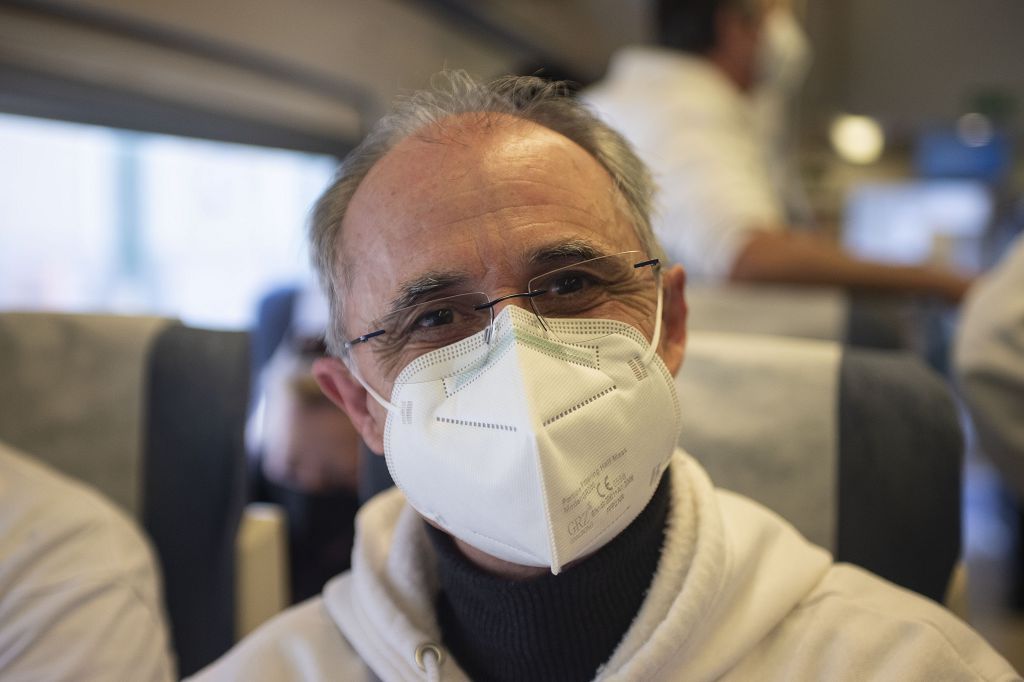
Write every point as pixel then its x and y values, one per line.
pixel 478 202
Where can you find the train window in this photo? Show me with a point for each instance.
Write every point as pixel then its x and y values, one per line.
pixel 100 219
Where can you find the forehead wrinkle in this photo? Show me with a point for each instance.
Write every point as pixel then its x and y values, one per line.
pixel 593 211
pixel 581 218
pixel 481 153
pixel 518 196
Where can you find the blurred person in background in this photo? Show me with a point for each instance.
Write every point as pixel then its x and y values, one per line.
pixel 305 453
pixel 706 109
pixel 989 365
pixel 80 592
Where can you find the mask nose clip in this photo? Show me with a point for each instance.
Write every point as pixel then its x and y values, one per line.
pixel 489 333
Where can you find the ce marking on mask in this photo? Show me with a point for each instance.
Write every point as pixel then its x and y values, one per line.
pixel 599 493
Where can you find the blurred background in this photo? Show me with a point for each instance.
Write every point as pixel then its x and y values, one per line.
pixel 161 158
pixel 120 193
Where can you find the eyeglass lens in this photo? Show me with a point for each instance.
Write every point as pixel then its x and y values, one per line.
pixel 608 287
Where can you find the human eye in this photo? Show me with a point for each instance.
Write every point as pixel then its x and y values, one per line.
pixel 435 317
pixel 586 287
pixel 423 322
pixel 569 291
pixel 566 283
pixel 583 279
pixel 438 320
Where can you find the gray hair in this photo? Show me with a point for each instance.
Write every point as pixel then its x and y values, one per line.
pixel 452 93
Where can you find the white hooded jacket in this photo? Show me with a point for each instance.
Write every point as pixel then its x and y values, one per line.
pixel 738 595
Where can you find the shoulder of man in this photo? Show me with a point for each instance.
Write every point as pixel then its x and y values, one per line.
pixel 857 626
pixel 838 622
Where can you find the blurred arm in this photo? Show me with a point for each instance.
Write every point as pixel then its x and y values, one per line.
pixel 796 258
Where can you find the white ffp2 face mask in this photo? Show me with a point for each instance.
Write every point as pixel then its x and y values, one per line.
pixel 547 448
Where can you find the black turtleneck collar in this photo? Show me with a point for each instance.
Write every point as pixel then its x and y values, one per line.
pixel 553 627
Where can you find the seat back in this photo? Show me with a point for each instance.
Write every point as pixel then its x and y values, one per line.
pixel 151 413
pixel 900 470
pixel 859 449
pixel 194 487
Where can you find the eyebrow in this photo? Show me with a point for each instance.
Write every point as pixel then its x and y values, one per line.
pixel 426 287
pixel 436 284
pixel 572 250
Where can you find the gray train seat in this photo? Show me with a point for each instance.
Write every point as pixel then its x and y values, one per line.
pixel 859 449
pixel 151 413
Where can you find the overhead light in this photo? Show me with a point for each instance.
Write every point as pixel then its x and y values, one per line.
pixel 857 139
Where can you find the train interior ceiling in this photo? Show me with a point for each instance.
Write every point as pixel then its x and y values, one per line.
pixel 161 159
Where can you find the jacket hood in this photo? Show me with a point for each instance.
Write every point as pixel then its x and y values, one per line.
pixel 729 573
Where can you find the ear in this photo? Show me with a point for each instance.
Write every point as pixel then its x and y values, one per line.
pixel 345 391
pixel 672 346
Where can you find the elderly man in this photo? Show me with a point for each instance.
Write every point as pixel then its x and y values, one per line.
pixel 506 336
pixel 703 109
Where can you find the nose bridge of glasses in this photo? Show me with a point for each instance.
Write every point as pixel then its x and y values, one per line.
pixel 521 299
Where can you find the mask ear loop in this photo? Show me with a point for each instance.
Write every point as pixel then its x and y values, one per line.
pixel 354 371
pixel 649 354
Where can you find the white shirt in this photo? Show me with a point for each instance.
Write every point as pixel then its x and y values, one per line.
pixel 79 591
pixel 697 133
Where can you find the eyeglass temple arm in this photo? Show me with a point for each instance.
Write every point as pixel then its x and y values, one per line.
pixel 365 337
